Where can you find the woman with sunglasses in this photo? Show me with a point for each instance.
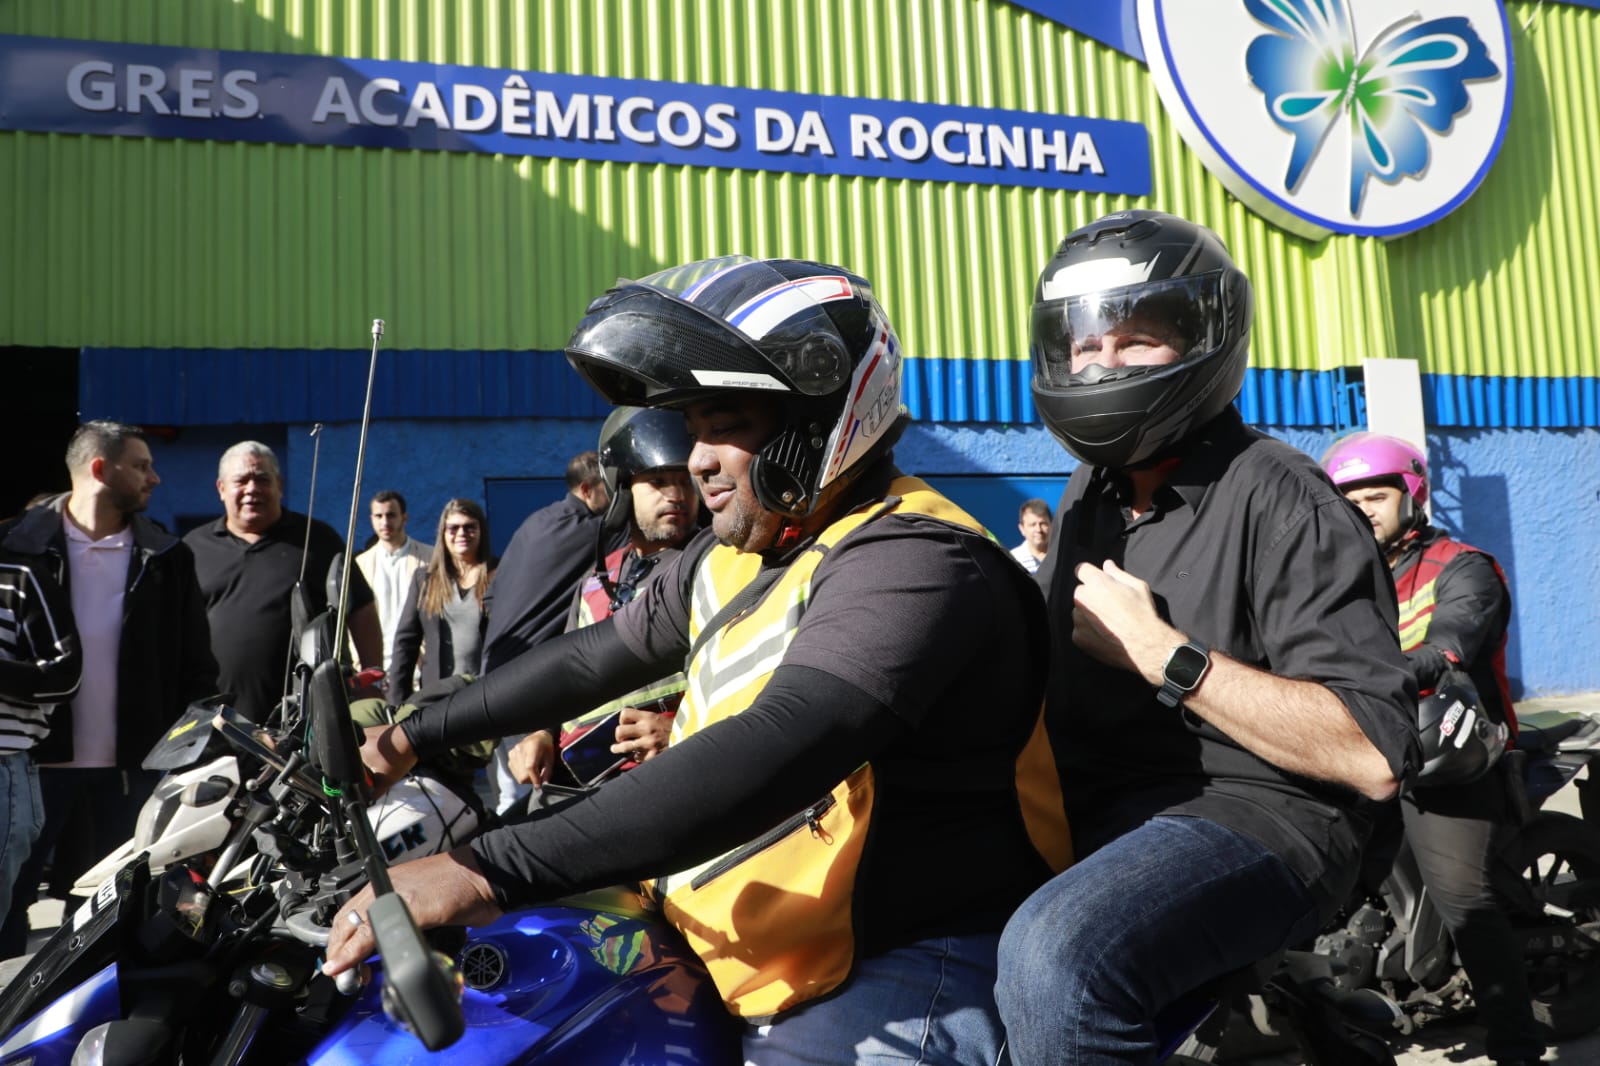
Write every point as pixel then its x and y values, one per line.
pixel 443 619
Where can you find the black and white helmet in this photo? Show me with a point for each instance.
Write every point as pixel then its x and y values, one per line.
pixel 808 334
pixel 1138 266
pixel 1459 742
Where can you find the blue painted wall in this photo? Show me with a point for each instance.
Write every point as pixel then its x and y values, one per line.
pixel 1531 497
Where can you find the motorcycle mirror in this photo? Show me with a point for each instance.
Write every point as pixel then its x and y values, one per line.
pixel 418 992
pixel 316 639
pixel 335 747
pixel 335 580
pixel 300 614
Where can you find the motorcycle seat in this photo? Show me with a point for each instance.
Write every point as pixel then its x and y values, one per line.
pixel 1546 732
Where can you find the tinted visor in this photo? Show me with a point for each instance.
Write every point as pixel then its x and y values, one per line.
pixel 1184 314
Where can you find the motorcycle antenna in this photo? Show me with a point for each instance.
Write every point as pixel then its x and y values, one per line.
pixel 305 550
pixel 340 621
pixel 311 496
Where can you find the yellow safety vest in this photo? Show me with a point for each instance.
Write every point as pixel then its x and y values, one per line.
pixel 773 919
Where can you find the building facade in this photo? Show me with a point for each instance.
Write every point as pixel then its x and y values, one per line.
pixel 209 201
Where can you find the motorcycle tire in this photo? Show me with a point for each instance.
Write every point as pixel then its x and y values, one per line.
pixel 1555 859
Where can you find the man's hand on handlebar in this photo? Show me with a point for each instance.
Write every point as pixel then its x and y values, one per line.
pixel 446 889
pixel 387 753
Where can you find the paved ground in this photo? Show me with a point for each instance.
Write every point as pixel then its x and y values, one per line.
pixel 1441 1045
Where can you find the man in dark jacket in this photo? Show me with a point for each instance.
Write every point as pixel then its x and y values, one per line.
pixel 527 604
pixel 146 647
pixel 547 556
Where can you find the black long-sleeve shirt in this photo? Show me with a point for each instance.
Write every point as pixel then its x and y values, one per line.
pixel 920 649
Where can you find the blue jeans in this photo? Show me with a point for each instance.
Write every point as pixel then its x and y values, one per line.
pixel 1091 958
pixel 22 809
pixel 931 1002
pixel 510 795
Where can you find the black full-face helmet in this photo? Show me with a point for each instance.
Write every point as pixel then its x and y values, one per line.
pixel 809 335
pixel 632 441
pixel 1148 271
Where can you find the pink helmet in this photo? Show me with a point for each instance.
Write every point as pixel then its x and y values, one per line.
pixel 1370 456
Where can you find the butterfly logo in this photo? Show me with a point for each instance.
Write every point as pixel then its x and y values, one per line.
pixel 1411 75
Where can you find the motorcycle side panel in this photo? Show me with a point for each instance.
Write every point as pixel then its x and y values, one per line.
pixel 562 986
pixel 51 1036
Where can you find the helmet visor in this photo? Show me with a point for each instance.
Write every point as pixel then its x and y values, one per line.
pixel 1099 336
pixel 733 322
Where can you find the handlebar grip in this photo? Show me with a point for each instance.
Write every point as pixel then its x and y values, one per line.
pixel 416 989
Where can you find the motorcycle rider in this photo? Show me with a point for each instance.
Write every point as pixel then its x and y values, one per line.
pixel 644 459
pixel 859 652
pixel 1222 702
pixel 1454 609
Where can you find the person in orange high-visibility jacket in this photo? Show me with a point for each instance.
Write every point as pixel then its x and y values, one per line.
pixel 1454 608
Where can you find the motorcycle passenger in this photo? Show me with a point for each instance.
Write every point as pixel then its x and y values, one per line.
pixel 1227 700
pixel 866 668
pixel 644 458
pixel 1454 608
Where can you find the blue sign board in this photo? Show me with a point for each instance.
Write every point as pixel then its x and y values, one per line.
pixel 70 86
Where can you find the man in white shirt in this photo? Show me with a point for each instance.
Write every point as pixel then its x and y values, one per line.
pixel 146 649
pixel 389 564
pixel 1033 522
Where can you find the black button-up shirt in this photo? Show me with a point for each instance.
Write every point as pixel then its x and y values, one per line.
pixel 1250 550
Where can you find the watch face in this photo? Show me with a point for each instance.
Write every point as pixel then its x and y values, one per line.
pixel 1186 665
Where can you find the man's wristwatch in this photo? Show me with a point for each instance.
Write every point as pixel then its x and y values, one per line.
pixel 1182 672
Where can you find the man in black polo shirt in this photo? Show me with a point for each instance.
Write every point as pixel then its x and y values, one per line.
pixel 248 562
pixel 1227 698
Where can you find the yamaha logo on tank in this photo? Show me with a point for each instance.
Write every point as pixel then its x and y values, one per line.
pixel 1337 116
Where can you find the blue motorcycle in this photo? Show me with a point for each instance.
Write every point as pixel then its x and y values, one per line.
pixel 195 964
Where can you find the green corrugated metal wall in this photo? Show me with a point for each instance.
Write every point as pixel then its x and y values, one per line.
pixel 141 243
pixel 1508 284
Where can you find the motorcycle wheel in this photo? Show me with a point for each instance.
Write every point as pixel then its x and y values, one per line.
pixel 1555 860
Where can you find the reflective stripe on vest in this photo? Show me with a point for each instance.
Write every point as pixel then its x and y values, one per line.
pixel 1417 590
pixel 773 920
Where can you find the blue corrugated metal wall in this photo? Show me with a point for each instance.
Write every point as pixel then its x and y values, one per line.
pixel 189 387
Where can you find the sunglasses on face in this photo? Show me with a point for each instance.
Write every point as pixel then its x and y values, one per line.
pixel 469 529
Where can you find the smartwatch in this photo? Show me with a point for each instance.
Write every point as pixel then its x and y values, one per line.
pixel 1182 672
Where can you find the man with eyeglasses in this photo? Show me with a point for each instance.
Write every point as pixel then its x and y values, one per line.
pixel 644 459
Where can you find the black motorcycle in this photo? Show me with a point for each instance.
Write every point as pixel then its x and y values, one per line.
pixel 1389 955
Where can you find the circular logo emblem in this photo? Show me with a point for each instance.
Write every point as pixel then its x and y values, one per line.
pixel 1337 116
pixel 483 965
